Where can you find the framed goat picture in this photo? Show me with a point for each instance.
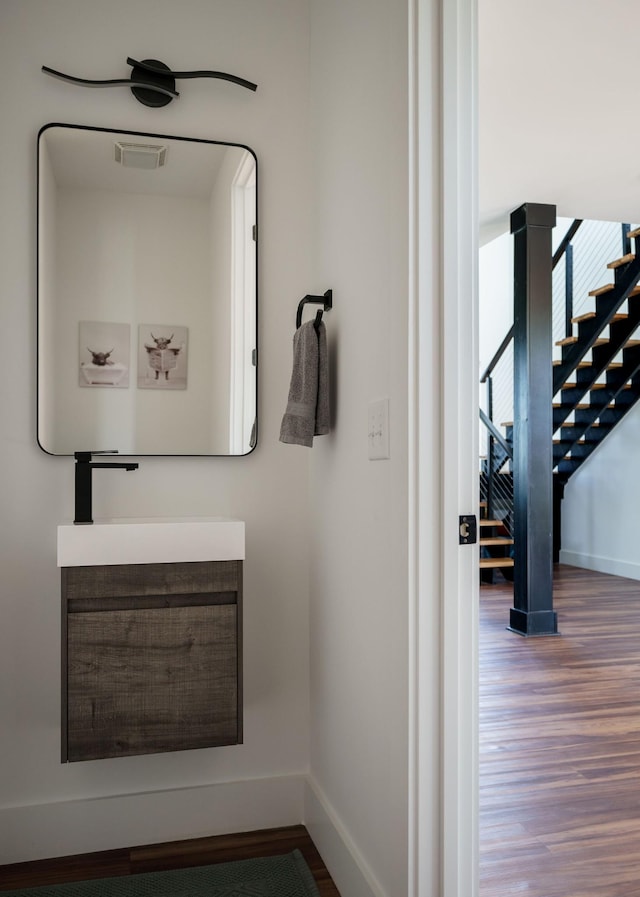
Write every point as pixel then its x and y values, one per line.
pixel 104 351
pixel 162 356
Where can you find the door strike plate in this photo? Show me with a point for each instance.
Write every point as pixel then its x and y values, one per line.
pixel 468 529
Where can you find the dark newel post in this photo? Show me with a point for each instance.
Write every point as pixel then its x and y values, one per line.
pixel 532 613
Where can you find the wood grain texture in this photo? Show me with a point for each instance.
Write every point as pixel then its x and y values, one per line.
pixel 151 680
pixel 171 855
pixel 560 743
pixel 151 658
pixel 124 580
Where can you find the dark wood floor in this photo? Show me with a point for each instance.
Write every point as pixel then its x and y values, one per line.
pixel 560 744
pixel 174 855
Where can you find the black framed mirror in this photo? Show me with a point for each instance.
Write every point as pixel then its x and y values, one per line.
pixel 147 293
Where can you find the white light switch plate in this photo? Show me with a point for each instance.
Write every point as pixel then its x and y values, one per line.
pixel 378 433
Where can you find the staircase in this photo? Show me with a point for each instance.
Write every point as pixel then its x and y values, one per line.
pixel 596 381
pixel 495 542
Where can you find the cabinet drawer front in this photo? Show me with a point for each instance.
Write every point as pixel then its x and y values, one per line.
pixel 116 580
pixel 150 680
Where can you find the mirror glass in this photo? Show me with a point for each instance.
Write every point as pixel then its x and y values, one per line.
pixel 147 294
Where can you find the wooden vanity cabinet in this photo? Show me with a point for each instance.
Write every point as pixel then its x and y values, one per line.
pixel 152 658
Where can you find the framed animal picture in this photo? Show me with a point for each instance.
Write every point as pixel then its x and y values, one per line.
pixel 162 356
pixel 104 354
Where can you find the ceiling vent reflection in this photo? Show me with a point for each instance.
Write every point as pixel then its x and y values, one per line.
pixel 140 155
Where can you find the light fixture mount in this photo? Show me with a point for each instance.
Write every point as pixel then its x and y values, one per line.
pixel 142 73
pixel 152 82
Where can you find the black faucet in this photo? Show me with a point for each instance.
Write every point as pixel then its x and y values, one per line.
pixel 84 466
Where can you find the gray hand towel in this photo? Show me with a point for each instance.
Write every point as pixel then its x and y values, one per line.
pixel 307 413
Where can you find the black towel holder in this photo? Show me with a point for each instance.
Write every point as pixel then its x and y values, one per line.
pixel 326 301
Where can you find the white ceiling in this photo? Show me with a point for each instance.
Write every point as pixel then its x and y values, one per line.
pixel 83 158
pixel 558 109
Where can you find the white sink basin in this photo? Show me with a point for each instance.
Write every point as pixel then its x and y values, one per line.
pixel 150 540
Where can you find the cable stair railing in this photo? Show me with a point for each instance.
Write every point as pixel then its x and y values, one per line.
pixel 596 375
pixel 496 502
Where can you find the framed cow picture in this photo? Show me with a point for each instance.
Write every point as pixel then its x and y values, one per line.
pixel 162 356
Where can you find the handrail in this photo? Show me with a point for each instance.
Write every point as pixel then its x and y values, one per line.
pixel 568 237
pixel 496 358
pixel 560 251
pixel 491 427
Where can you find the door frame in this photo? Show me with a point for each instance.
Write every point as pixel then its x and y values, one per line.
pixel 242 373
pixel 443 440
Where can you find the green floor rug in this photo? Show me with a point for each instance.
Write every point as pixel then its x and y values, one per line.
pixel 281 876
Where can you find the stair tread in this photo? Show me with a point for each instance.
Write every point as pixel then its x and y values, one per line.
pixel 600 290
pixel 612 366
pixel 572 385
pixel 496 562
pixel 581 406
pixel 496 540
pixel 485 521
pixel 582 364
pixel 570 340
pixel 623 260
pixel 633 233
pixel 587 316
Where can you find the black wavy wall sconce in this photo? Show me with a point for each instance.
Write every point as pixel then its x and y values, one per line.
pixel 152 82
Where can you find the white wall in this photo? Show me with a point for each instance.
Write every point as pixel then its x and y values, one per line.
pixel 148 274
pixel 45 807
pixel 359 587
pixel 600 515
pixel 495 296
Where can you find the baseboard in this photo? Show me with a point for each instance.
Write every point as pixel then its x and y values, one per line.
pixel 72 827
pixel 347 867
pixel 613 566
